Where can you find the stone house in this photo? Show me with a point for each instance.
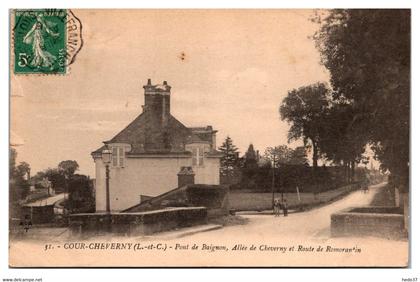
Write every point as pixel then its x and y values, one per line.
pixel 148 154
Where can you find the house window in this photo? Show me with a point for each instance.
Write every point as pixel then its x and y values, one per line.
pixel 198 156
pixel 117 156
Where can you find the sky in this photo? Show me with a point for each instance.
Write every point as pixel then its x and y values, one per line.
pixel 227 68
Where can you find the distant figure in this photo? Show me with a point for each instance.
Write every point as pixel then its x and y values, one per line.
pixel 366 181
pixel 277 207
pixel 365 188
pixel 26 224
pixel 285 208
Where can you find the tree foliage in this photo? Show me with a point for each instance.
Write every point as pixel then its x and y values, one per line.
pixel 282 154
pixel 59 175
pixel 68 168
pixel 23 170
pixel 368 55
pixel 277 155
pixel 18 173
pixel 250 160
pixel 298 156
pixel 81 195
pixel 12 161
pixel 18 180
pixel 342 141
pixel 52 174
pixel 229 160
pixel 304 109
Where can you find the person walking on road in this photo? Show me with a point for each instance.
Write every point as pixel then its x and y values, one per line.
pixel 285 207
pixel 366 181
pixel 276 207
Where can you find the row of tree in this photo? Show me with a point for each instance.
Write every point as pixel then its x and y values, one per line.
pixel 367 53
pixel 59 176
pixel 325 124
pixel 282 154
pixel 272 157
pixel 279 169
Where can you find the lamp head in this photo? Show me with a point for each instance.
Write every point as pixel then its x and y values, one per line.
pixel 106 155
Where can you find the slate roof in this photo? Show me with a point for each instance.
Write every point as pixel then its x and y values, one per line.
pixel 203 134
pixel 156 131
pixel 147 136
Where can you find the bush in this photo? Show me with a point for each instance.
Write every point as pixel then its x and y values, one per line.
pixel 288 177
pixel 81 198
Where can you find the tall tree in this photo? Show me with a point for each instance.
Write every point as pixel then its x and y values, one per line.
pixel 277 155
pixel 81 197
pixel 68 168
pixel 342 141
pixel 284 155
pixel 368 55
pixel 304 108
pixel 12 161
pixel 251 160
pixel 18 180
pixel 229 160
pixel 23 170
pixel 298 156
pixel 52 174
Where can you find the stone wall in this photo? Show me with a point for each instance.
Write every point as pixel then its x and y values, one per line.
pixel 142 223
pixel 385 222
pixel 39 214
pixel 402 201
pixel 214 197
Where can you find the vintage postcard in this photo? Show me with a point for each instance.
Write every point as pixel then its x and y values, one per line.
pixel 209 138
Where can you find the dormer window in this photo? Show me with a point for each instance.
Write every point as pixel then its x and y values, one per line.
pixel 118 155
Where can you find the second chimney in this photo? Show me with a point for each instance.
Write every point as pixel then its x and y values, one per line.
pixel 185 176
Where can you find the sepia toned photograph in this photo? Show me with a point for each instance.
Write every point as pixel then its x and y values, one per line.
pixel 209 138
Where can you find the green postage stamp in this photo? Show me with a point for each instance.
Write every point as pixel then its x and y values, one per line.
pixel 46 41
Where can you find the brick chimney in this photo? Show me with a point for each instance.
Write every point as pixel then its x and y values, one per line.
pixel 157 100
pixel 185 176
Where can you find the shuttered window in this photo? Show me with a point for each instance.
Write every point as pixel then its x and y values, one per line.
pixel 118 157
pixel 198 156
pixel 121 157
pixel 115 156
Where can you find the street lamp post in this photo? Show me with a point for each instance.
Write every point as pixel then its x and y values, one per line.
pixel 106 158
